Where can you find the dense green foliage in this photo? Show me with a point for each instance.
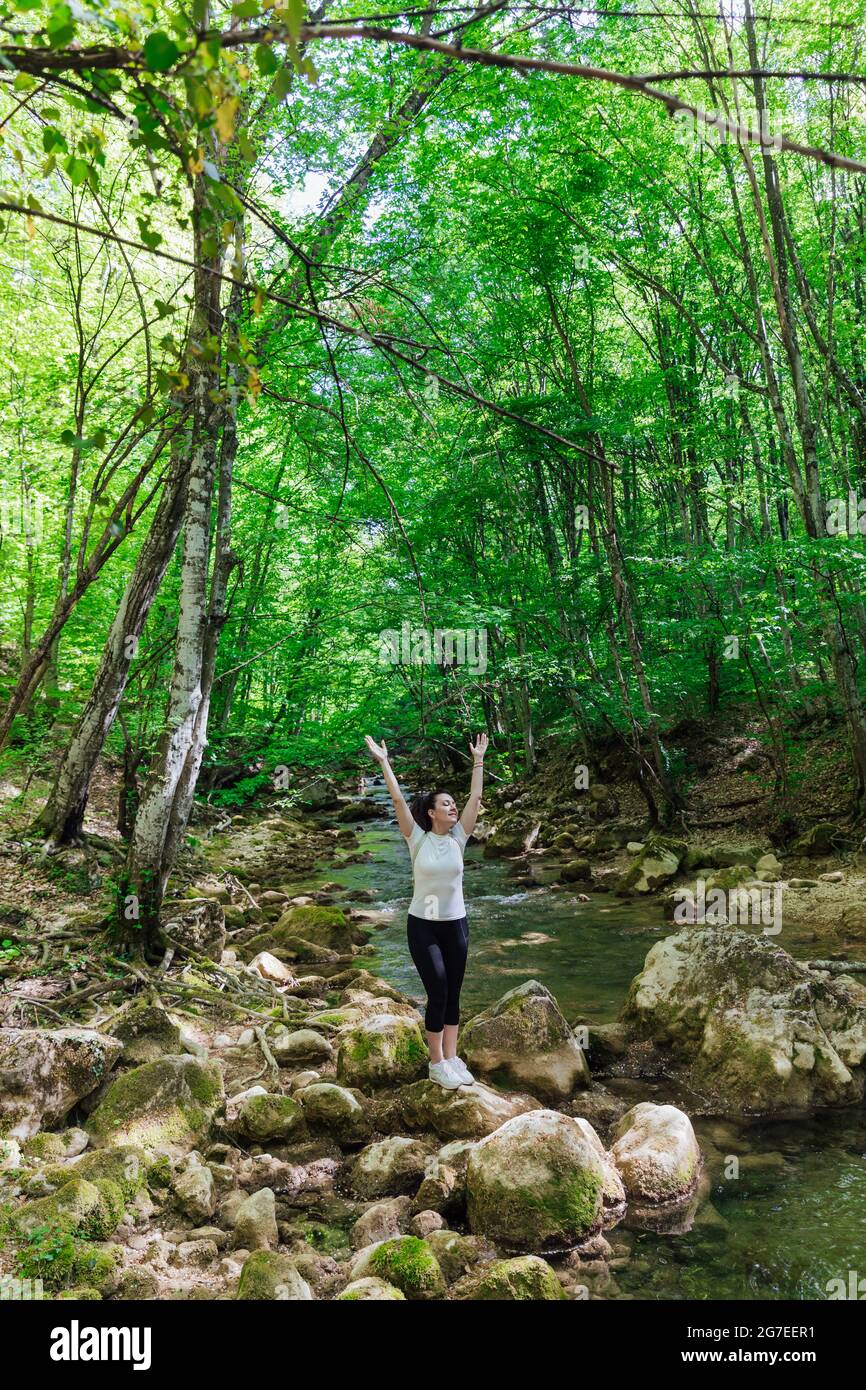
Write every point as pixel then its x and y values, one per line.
pixel 518 354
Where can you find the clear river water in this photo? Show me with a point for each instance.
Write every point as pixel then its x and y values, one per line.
pixel 790 1222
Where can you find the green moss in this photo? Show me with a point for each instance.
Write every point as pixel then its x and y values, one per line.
pixel 270 1117
pixel 160 1104
pixel 45 1146
pixel 80 1295
pixel 268 1275
pixel 360 1046
pixel 70 1208
pixel 565 1210
pixel 51 1252
pixel 159 1173
pixel 409 1264
pixel 303 919
pixel 125 1165
pixel 109 1214
pixel 411 1049
pixel 524 1279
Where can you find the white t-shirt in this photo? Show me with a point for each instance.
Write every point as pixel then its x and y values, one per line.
pixel 437 864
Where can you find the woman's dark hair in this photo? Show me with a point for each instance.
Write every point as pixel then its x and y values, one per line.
pixel 421 806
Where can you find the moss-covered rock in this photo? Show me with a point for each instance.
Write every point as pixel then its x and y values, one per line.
pixel 161 1106
pixel 535 1184
pixel 124 1165
pixel 79 1207
pixel 748 1026
pixel 61 1260
pixel 466 1113
pixel 45 1145
pixel 138 1284
pixel 290 949
pixel 335 1110
pixel 656 1153
pixel 325 927
pixel 455 1253
pixel 656 865
pixel 822 839
pixel 46 1071
pixel 268 1275
pixel 362 1290
pixel 523 1040
pixel 525 1278
pixel 262 1117
pixel 505 842
pixel 292 1048
pixel 576 871
pixel 147 1033
pixel 407 1262
pixel 384 1050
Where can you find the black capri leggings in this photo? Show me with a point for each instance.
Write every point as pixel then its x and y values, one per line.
pixel 439 951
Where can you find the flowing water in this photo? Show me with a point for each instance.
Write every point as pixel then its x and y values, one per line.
pixel 786 1218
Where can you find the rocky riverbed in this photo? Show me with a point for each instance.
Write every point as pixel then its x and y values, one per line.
pixel 253 1121
pixel 174 1147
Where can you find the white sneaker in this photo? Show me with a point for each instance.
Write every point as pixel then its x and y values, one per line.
pixel 441 1072
pixel 459 1068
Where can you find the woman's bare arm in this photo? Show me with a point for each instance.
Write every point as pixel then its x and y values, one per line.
pixel 404 816
pixel 470 810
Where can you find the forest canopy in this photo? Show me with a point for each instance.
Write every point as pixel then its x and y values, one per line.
pixel 330 330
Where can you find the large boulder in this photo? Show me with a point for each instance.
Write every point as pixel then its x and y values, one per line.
pixel 535 1184
pixel 383 1050
pixel 44 1072
pixel 656 1153
pixel 749 1027
pixel 523 1040
pixel 321 926
pixel 655 865
pixel 306 932
pixel 467 1113
pixel 125 1166
pixel 164 1106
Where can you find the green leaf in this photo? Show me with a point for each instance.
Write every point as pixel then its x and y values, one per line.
pixel 266 59
pixel 160 52
pixel 77 169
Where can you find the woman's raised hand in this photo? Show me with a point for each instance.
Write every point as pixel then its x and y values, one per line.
pixel 378 750
pixel 479 748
